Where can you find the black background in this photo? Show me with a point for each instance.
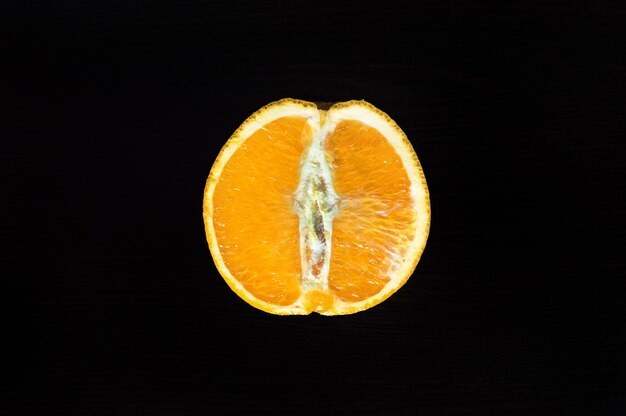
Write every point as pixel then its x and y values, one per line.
pixel 115 110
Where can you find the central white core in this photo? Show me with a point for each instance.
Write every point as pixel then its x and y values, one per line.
pixel 317 204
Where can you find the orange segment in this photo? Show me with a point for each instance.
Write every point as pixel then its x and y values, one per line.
pixel 373 227
pixel 255 224
pixel 317 301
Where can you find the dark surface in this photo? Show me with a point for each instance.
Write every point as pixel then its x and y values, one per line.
pixel 114 112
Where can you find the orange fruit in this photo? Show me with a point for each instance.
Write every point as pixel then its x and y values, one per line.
pixel 309 210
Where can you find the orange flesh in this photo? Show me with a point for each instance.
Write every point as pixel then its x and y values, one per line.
pixel 255 224
pixel 376 210
pixel 257 228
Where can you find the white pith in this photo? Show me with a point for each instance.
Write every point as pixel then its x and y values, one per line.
pixel 316 203
pixel 311 199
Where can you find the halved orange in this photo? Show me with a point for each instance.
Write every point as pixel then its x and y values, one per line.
pixel 310 210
